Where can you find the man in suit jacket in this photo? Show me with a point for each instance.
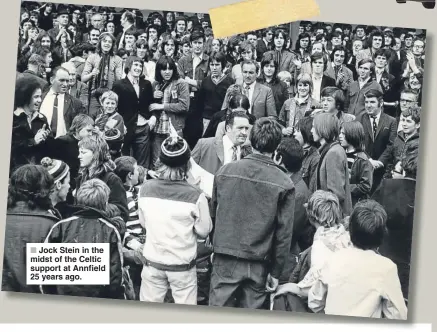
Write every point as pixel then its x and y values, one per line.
pixel 319 64
pixel 134 98
pixel 77 89
pixel 265 44
pixel 58 106
pixel 62 17
pixel 128 23
pixel 212 153
pixel 380 134
pixel 337 70
pixel 262 101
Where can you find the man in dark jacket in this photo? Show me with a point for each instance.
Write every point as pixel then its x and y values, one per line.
pixel 90 224
pixel 36 67
pixel 251 245
pixel 134 98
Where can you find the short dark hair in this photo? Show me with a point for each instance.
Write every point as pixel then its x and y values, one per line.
pixel 219 57
pixel 123 166
pixel 292 154
pixel 374 93
pixel 414 112
pixel 336 34
pixel 25 87
pixel 230 119
pixel 337 48
pixel 372 64
pixel 197 34
pixel 266 134
pixel 354 134
pixel 129 16
pixel 162 64
pixel 381 52
pixel 317 56
pixel 337 94
pixel 239 100
pixel 305 125
pixel 367 224
pixel 266 59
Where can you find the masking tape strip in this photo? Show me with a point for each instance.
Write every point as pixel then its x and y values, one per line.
pixel 259 14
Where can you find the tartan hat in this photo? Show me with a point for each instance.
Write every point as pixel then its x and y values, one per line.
pixel 175 152
pixel 56 168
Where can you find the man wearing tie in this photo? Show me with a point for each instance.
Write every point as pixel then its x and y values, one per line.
pixel 380 133
pixel 58 106
pixel 212 153
pixel 262 102
pixel 128 23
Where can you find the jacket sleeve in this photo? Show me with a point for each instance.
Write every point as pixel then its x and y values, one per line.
pixel 283 231
pixel 183 103
pixel 144 111
pixel 115 289
pixel 118 68
pixel 84 96
pixel 385 156
pixel 364 172
pixel 335 175
pixel 270 104
pixel 117 196
pixel 197 152
pixel 282 115
pixel 393 303
pixel 313 173
pixel 213 207
pixel 203 224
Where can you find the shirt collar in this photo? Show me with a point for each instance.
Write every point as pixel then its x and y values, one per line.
pixel 377 117
pixel 134 81
pixel 20 111
pixel 251 86
pixel 379 71
pixel 227 143
pixel 197 56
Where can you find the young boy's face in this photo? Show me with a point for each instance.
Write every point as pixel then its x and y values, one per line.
pixel 408 125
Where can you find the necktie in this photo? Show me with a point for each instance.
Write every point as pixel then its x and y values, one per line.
pixel 234 153
pixel 54 122
pixel 278 57
pixel 246 91
pixel 374 126
pixel 336 69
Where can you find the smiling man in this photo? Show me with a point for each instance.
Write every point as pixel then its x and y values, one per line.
pixel 58 106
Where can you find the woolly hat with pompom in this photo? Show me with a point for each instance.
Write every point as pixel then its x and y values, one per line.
pixel 175 152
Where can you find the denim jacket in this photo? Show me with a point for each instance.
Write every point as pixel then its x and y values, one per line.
pixel 252 207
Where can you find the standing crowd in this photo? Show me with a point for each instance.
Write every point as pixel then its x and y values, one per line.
pixel 253 171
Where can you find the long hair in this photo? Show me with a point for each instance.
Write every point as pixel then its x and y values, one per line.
pixel 101 157
pixel 99 44
pixel 162 64
pixel 31 184
pixel 267 59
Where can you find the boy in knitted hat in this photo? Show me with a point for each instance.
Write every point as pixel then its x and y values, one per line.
pixel 174 214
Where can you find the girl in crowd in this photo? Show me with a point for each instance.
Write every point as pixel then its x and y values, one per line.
pixel 360 169
pixel 172 101
pixel 95 163
pixel 268 77
pixel 101 69
pixel 28 220
pixel 332 170
pixel 298 107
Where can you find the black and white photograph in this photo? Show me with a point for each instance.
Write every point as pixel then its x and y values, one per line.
pixel 274 169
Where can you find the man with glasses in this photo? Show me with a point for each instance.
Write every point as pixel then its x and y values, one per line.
pixel 408 99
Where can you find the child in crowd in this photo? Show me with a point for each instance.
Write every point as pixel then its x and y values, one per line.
pixel 324 213
pixel 357 281
pixel 90 224
pixel 109 118
pixel 352 139
pixel 285 77
pixel 115 140
pixel 135 236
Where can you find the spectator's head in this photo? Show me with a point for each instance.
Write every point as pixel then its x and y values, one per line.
pixel 418 47
pixel 82 126
pixel 303 41
pixel 44 40
pixel 380 57
pixel 318 63
pixel 389 39
pixel 246 50
pixel 107 44
pixel 408 40
pixel 142 174
pixel 304 85
pixel 180 24
pixel 60 172
pixel 127 170
pixel 62 17
pixel 408 99
pixel 375 40
pixel 357 45
pixel 37 64
pixel 414 81
pixel 97 21
pixel 31 184
pixel 289 154
pixel 197 39
pixel 366 69
pixel 166 70
pixel 169 46
pixel 252 38
pixel 60 80
pixel 410 120
pixel 326 128
pixel 94 154
pixel 323 209
pixel 237 126
pixel 71 68
pixel 134 66
pixel 268 34
pixel 130 38
pixel 153 32
pixel 303 133
pixel 373 102
pixel 285 77
pixel 110 27
pixel 336 38
pixel 360 31
pixel 367 225
pixel 141 49
pixel 249 70
pixel 338 55
pixel 93 193
pixel 265 136
pixel 174 159
pixel 109 101
pixel 233 90
pixel 280 38
pixel 332 100
pixel 28 94
pixel 217 63
pixel 127 18
pixel 269 67
pixel 352 136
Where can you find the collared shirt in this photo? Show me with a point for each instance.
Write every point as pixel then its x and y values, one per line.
pixel 379 72
pixel 251 89
pixel 47 110
pixel 362 83
pixel 217 80
pixel 317 86
pixel 375 119
pixel 19 111
pixel 141 121
pixel 228 150
pixel 196 61
pixel 120 45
